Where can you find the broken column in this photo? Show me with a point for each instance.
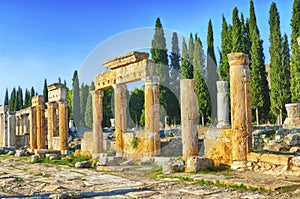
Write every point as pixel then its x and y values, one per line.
pixel 120 116
pixel 97 121
pixel 292 120
pixel 152 114
pixel 32 133
pixel 241 114
pixel 189 115
pixel 40 127
pixel 222 103
pixel 63 125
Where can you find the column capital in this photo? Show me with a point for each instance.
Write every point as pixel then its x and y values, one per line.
pixel 152 80
pixel 98 92
pixel 238 58
pixel 222 86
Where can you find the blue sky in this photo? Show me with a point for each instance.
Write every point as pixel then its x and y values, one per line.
pixel 52 38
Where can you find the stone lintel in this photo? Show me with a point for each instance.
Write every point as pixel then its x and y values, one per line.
pixel 37 100
pixel 55 86
pixel 238 58
pixel 126 59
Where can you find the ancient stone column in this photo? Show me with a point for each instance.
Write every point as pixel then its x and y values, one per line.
pixel 222 103
pixel 241 114
pixel 33 127
pixel 120 116
pixel 189 115
pixel 97 96
pixel 1 130
pixel 51 116
pixel 40 127
pixel 63 125
pixel 11 130
pixel 152 126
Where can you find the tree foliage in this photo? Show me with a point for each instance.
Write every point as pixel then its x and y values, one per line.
pixel 76 99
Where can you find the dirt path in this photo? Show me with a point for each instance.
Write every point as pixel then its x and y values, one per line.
pixel 21 179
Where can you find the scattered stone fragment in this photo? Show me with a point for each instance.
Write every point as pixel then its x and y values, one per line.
pixel 20 153
pixel 34 158
pixel 127 163
pixel 84 164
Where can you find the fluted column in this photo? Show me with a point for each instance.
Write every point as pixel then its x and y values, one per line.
pixel 97 97
pixel 33 128
pixel 152 113
pixel 240 106
pixel 120 116
pixel 63 125
pixel 40 127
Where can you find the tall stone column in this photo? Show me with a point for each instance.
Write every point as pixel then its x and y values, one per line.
pixel 33 127
pixel 11 130
pixel 189 115
pixel 152 113
pixel 40 127
pixel 63 125
pixel 222 104
pixel 120 116
pixel 51 113
pixel 240 107
pixel 17 125
pixel 97 96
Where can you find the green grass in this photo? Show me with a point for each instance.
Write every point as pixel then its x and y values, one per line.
pixel 45 175
pixel 289 188
pixel 18 179
pixel 66 160
pixel 154 172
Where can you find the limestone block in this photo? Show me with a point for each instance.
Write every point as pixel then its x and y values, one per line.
pixel 253 157
pixel 196 163
pixel 57 92
pixel 173 166
pixel 221 151
pixel 276 159
pixel 84 164
pixel 295 149
pixel 296 161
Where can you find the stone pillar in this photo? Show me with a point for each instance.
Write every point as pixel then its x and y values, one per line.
pixel 241 114
pixel 120 116
pixel 40 127
pixel 152 106
pixel 51 113
pixel 63 125
pixel 32 133
pixel 97 96
pixel 189 115
pixel 222 103
pixel 1 131
pixel 11 130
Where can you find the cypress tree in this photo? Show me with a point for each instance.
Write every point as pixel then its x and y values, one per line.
pixel 190 56
pixel 202 92
pixel 88 116
pixel 226 48
pixel 108 109
pixel 6 97
pixel 45 91
pixel 76 99
pixel 136 105
pixel 295 55
pixel 84 93
pixel 236 32
pixel 276 69
pixel 286 68
pixel 27 99
pixel 19 99
pixel 13 100
pixel 258 80
pixel 185 65
pixel 32 94
pixel 212 75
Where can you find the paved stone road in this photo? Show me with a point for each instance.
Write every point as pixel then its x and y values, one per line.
pixel 19 179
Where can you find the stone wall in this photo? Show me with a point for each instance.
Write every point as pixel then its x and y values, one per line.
pixel 274 163
pixel 22 140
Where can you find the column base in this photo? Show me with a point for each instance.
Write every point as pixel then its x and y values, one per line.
pixel 239 165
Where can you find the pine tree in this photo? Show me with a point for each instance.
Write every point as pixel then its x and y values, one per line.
pixel 6 97
pixel 45 91
pixel 276 70
pixel 258 80
pixel 19 99
pixel 84 93
pixel 88 116
pixel 295 55
pixel 76 99
pixel 27 102
pixel 212 75
pixel 185 65
pixel 236 32
pixel 202 92
pixel 13 100
pixel 226 48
